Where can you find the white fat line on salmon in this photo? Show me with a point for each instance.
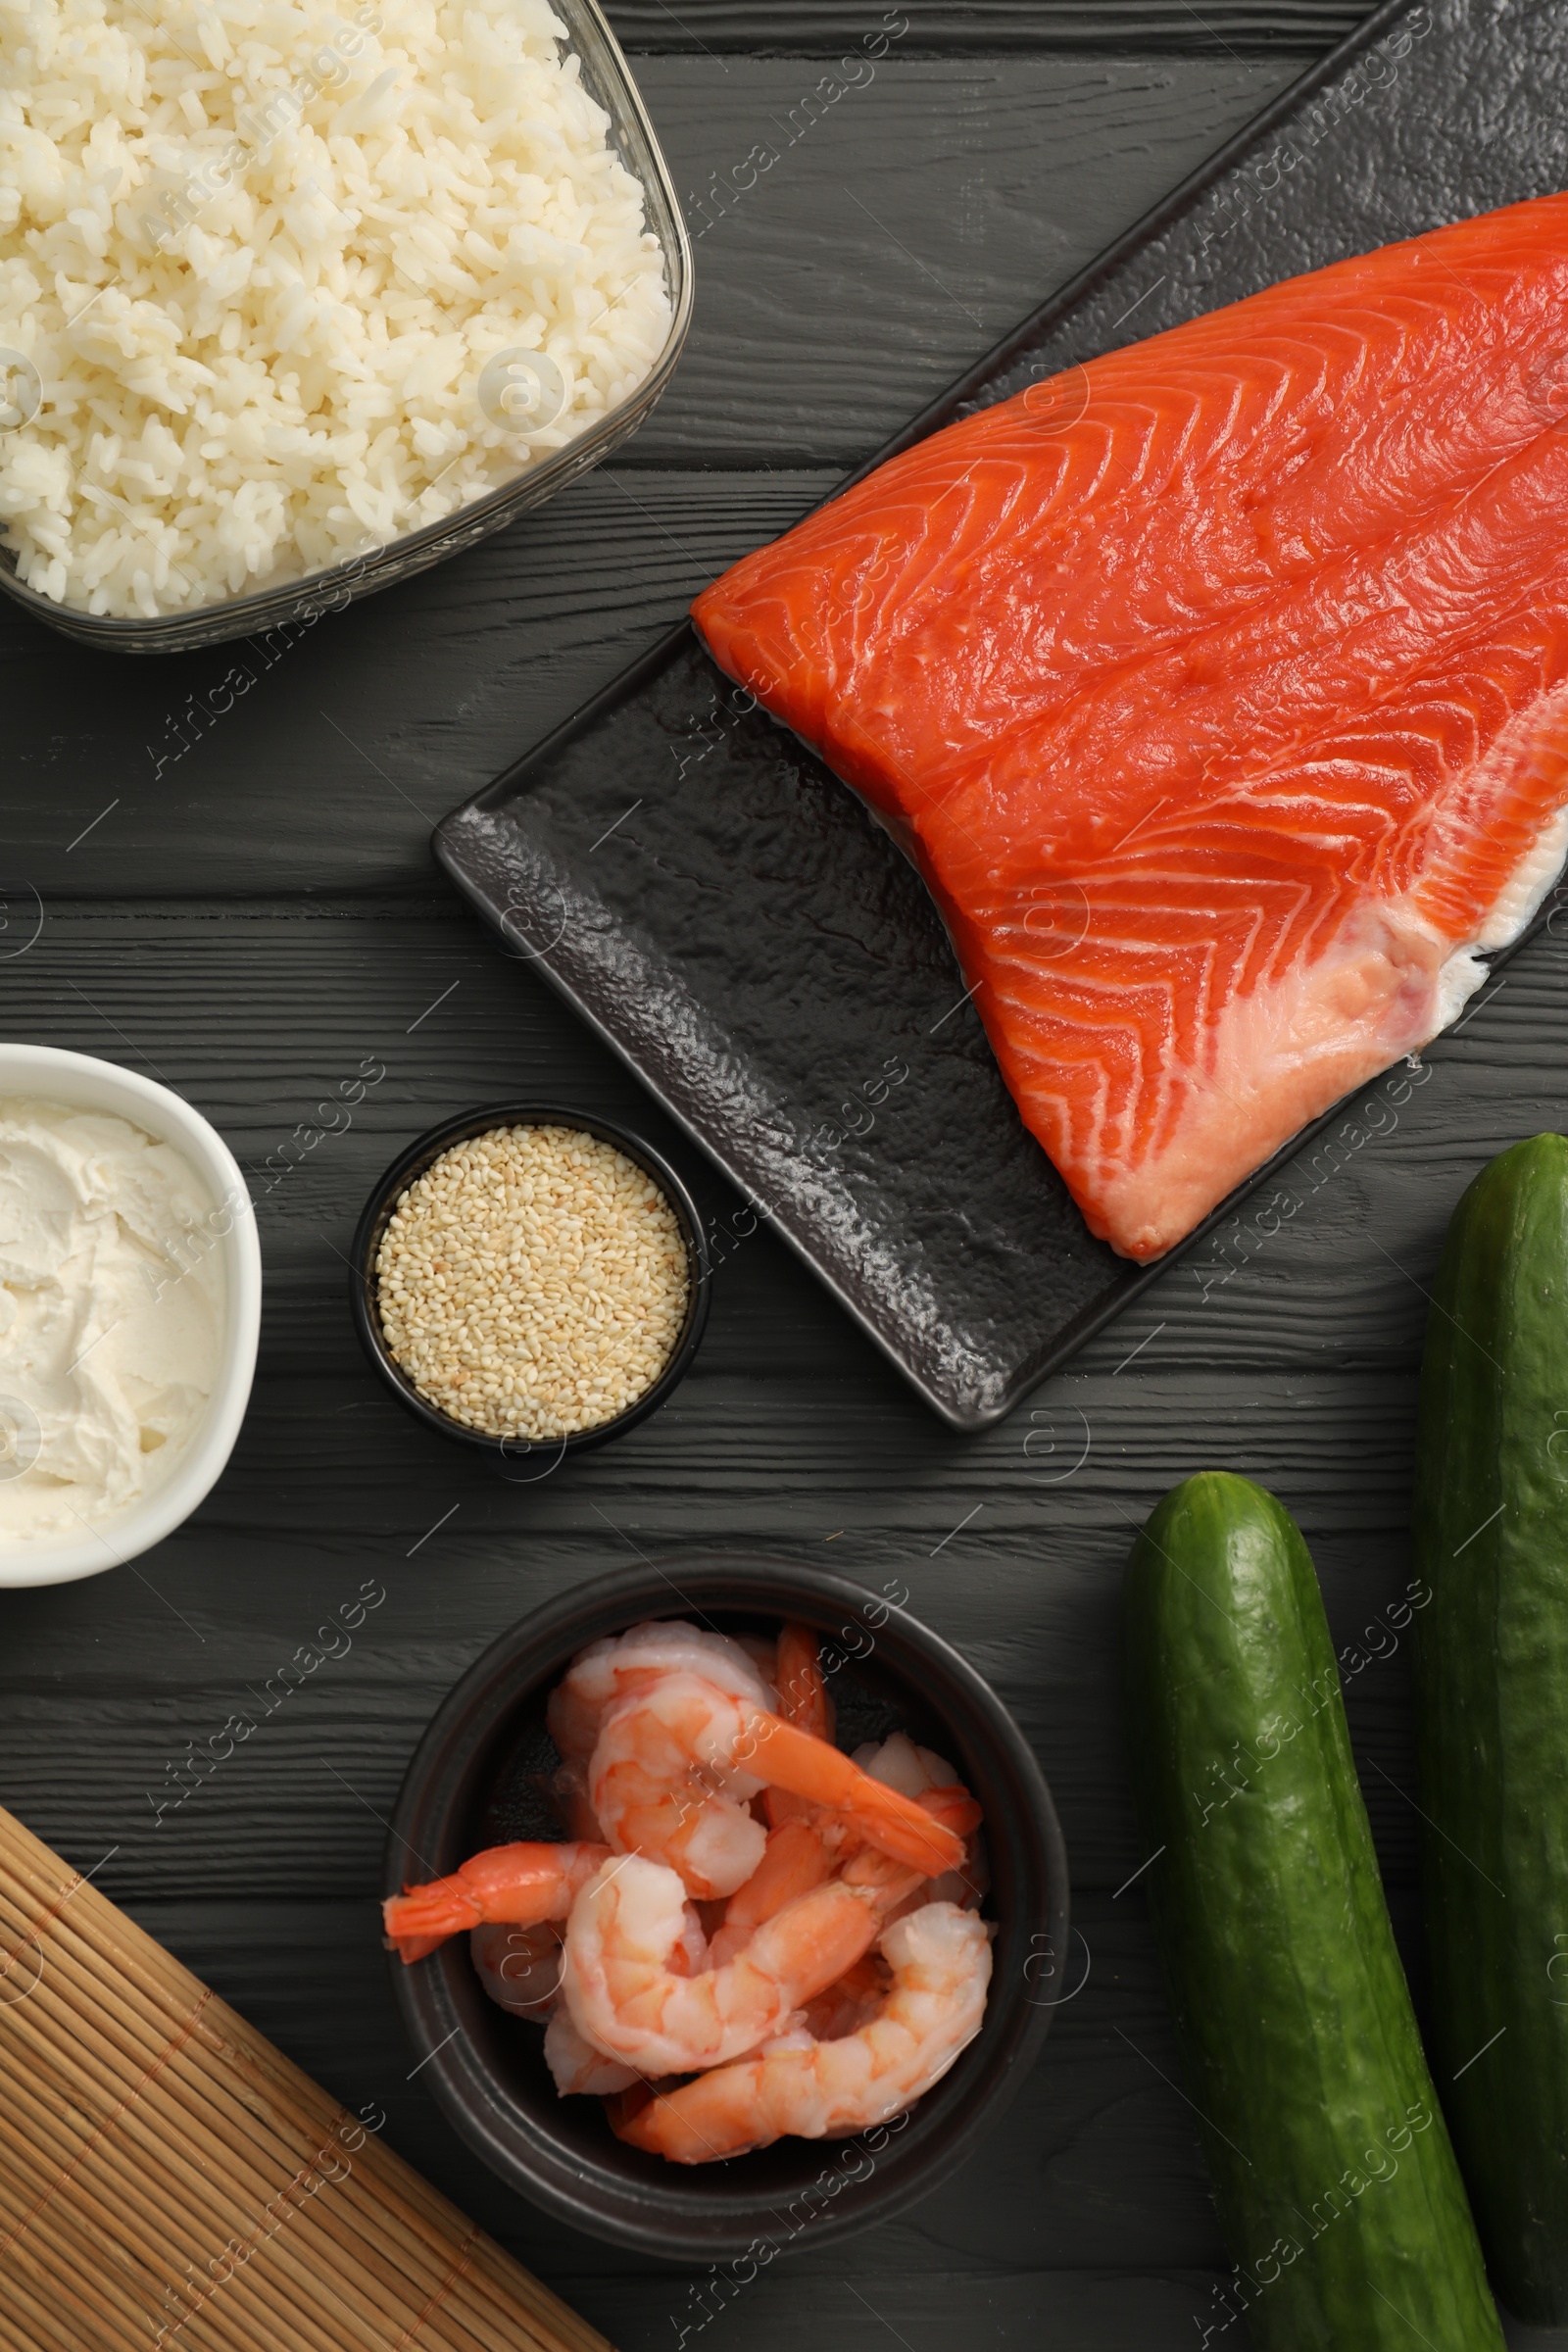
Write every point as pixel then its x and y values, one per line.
pixel 1147 812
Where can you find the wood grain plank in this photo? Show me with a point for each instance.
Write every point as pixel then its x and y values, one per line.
pixel 788 1434
pixel 323 760
pixel 790 1431
pixel 1289 1354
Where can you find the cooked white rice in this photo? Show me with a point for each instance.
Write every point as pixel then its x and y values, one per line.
pixel 258 255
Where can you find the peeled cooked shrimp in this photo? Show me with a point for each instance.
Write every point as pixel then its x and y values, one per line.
pixel 677 1766
pixel 643 1783
pixel 677 1726
pixel 519 1968
pixel 853 2002
pixel 932 1781
pixel 628 2000
pixel 517 1885
pixel 635 1707
pixel 608 1671
pixel 763 1655
pixel 940 1959
pixel 802 1692
pixel 798 1858
pixel 576 2065
pixel 904 1827
pixel 803 1700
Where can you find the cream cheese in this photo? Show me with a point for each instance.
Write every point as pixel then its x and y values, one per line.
pixel 111 1318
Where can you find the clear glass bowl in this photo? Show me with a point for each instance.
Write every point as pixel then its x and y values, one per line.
pixel 608 77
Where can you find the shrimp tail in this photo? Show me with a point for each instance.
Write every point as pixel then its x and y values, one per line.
pixel 954 1806
pixel 520 1885
pixel 802 1692
pixel 803 1700
pixel 410 1948
pixel 787 1757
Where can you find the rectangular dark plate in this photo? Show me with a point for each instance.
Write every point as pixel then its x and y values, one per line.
pixel 730 919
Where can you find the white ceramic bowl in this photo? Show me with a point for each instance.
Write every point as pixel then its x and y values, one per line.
pixel 51 1075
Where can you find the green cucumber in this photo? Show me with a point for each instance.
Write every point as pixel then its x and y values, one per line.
pixel 1491 1529
pixel 1337 2185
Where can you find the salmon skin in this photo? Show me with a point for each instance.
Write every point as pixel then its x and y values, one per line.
pixel 1219 689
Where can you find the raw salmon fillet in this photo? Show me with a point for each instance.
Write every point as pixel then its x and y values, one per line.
pixel 1220 691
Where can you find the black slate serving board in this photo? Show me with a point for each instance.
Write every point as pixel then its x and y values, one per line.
pixel 731 921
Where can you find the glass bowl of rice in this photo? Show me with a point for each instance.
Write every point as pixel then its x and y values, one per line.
pixel 296 297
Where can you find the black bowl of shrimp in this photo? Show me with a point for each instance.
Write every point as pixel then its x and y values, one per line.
pixel 724 1906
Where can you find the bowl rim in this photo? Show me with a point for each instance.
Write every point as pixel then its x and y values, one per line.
pixel 457 1748
pixel 420 1155
pixel 88 1082
pixel 590 39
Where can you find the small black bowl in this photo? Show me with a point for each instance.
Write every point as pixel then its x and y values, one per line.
pixel 377 1215
pixel 476 1780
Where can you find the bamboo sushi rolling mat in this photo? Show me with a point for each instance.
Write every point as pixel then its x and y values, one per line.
pixel 169 2178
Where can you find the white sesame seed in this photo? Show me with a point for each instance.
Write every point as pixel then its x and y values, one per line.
pixel 532 1282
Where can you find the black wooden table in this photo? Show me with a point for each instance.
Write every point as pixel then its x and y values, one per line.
pixel 252 919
